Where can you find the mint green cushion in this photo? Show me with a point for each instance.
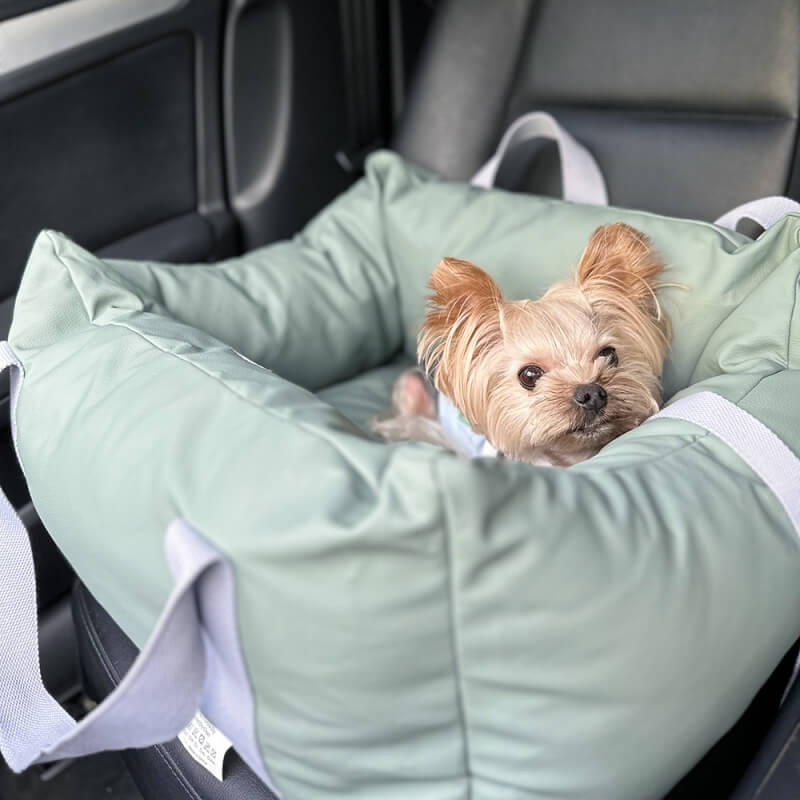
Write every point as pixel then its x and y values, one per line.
pixel 416 625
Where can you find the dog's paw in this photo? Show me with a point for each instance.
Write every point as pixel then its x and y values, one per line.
pixel 410 396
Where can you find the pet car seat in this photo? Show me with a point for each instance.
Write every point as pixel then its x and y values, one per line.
pixel 670 138
pixel 528 595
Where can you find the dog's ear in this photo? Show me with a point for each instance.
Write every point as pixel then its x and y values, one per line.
pixel 618 274
pixel 620 260
pixel 462 323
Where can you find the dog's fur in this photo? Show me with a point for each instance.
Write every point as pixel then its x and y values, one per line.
pixel 474 345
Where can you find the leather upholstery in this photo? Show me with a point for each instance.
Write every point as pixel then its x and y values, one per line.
pixel 689 107
pixel 164 772
pixel 457 106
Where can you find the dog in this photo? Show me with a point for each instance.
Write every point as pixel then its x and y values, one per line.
pixel 548 381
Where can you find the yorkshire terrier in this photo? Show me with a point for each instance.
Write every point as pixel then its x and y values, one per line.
pixel 548 381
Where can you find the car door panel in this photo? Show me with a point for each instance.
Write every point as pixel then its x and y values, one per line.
pixel 110 132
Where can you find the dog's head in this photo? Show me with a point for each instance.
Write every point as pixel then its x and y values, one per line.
pixel 559 377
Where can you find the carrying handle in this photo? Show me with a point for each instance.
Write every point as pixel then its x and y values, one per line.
pixel 581 178
pixel 765 211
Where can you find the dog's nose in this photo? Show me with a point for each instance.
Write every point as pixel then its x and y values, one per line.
pixel 591 396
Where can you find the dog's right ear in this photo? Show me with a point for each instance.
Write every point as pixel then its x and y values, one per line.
pixel 462 323
pixel 620 262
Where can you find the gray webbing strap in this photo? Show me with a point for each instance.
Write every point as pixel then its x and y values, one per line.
pixel 582 181
pixel 763 451
pixel 765 211
pixel 581 178
pixel 192 658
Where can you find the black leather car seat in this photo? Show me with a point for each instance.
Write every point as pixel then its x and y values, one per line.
pixel 689 106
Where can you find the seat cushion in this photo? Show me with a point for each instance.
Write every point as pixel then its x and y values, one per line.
pixel 679 121
pixel 163 772
pixel 365 396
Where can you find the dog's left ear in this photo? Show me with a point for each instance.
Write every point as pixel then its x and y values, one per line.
pixel 620 259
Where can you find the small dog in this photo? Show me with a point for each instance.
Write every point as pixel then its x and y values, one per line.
pixel 548 381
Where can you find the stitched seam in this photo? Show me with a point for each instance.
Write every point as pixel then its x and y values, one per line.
pixel 227 387
pixel 677 114
pixel 142 335
pixel 94 640
pixel 146 338
pixel 188 362
pixel 451 603
pixel 753 388
pixel 696 438
pixel 684 445
pixel 112 673
pixel 752 290
pixel 792 322
pixel 318 433
pixel 173 767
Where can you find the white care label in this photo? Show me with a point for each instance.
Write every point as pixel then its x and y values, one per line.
pixel 205 744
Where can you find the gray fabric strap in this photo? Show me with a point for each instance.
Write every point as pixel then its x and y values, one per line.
pixel 763 451
pixel 193 658
pixel 581 178
pixel 765 212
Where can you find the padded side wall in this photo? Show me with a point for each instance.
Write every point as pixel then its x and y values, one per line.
pixel 316 310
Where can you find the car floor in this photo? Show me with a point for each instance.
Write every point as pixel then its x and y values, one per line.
pixel 100 776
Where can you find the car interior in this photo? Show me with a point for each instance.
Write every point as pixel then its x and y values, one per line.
pixel 191 130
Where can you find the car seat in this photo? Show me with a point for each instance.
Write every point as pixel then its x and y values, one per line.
pixel 690 108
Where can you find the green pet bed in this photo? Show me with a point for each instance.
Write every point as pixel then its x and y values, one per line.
pixel 382 621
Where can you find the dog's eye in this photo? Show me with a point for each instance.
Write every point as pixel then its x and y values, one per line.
pixel 609 353
pixel 528 375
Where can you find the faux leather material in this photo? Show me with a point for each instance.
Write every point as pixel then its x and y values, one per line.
pixel 166 771
pixel 689 108
pixel 456 111
pixel 429 547
pixel 707 56
pixel 684 166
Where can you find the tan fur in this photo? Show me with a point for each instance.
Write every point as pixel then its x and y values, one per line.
pixel 473 342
